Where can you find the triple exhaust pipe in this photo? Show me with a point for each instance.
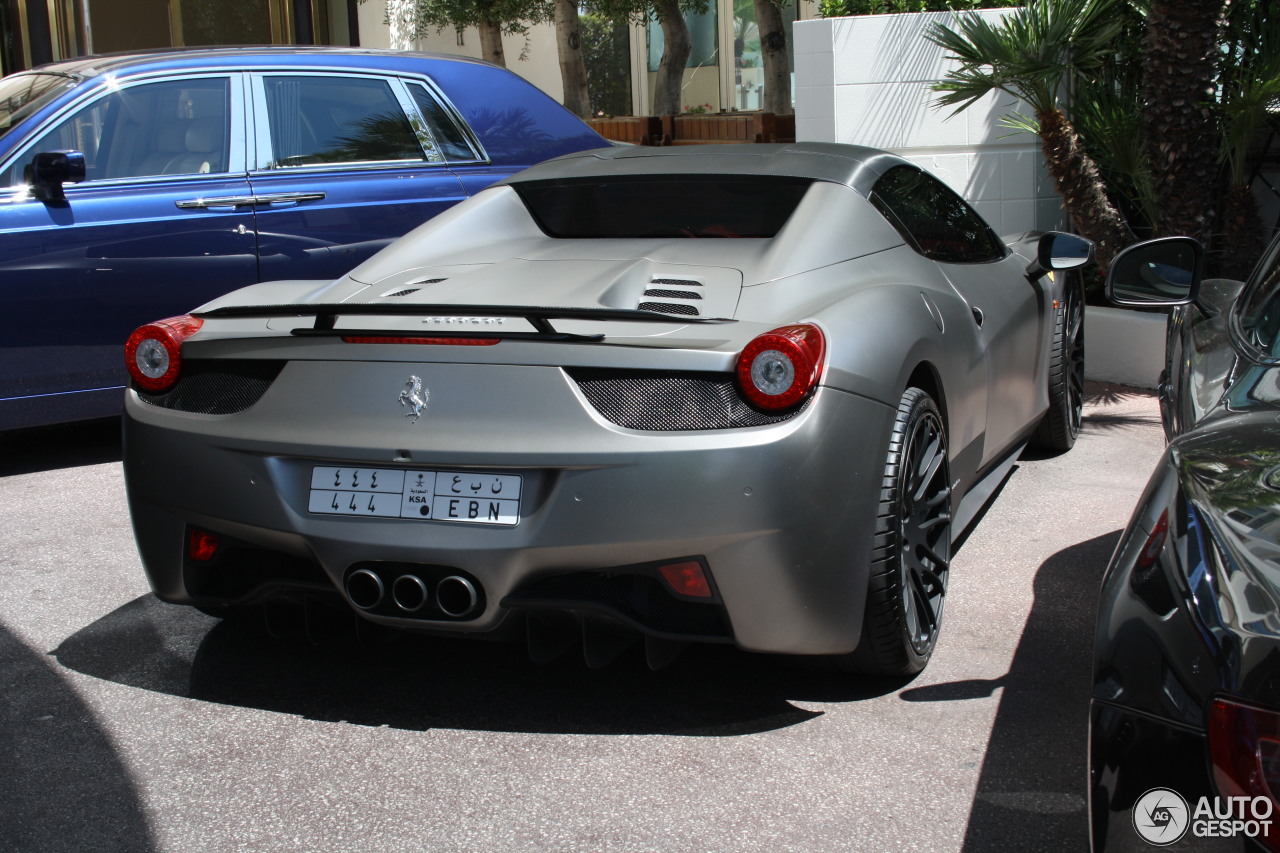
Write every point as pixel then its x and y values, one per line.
pixel 455 596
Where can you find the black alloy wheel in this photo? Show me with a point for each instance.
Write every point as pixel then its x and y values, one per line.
pixel 1060 427
pixel 912 556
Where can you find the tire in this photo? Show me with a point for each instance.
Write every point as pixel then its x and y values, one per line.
pixel 911 556
pixel 1060 426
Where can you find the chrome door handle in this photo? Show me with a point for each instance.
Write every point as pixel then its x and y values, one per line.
pixel 220 201
pixel 280 199
pixel 247 200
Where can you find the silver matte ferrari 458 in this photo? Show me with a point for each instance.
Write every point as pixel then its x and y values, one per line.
pixel 726 394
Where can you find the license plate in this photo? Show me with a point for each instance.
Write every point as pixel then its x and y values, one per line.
pixel 422 495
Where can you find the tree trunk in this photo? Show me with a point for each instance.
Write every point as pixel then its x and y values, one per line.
pixel 573 67
pixel 675 55
pixel 491 43
pixel 777 67
pixel 1180 56
pixel 1082 190
pixel 1242 229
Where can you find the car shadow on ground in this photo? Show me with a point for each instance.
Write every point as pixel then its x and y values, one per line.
pixel 420 683
pixel 1031 791
pixel 62 787
pixel 29 451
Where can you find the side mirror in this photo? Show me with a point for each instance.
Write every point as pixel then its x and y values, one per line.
pixel 1155 273
pixel 50 170
pixel 1058 251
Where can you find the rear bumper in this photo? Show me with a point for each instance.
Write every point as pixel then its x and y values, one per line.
pixel 782 516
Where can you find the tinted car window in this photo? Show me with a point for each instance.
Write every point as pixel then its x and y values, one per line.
pixel 318 120
pixel 1260 309
pixel 177 127
pixel 447 134
pixel 693 206
pixel 934 219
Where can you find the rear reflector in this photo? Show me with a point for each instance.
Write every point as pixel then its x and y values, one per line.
pixel 687 579
pixel 414 339
pixel 202 545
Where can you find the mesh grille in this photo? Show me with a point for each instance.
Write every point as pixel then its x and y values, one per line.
pixel 672 294
pixel 222 387
pixel 401 292
pixel 669 400
pixel 681 282
pixel 665 308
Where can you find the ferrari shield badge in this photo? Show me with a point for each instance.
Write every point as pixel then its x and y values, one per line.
pixel 415 397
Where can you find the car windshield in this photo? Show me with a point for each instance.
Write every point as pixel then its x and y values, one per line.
pixel 1260 307
pixel 664 205
pixel 23 94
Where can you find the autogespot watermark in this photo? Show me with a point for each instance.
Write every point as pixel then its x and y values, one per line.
pixel 1162 817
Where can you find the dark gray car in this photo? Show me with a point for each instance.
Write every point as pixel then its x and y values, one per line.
pixel 1186 697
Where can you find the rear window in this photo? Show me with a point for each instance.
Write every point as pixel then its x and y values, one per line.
pixel 664 206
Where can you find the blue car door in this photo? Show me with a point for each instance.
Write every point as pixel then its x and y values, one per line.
pixel 161 223
pixel 345 163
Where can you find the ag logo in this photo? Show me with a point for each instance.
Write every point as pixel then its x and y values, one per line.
pixel 1161 816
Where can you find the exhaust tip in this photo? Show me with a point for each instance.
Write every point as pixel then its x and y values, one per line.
pixel 456 596
pixel 409 592
pixel 365 589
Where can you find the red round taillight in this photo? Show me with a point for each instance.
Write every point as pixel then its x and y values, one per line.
pixel 153 354
pixel 779 369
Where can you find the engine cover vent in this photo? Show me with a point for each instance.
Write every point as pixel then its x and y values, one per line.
pixel 665 290
pixel 405 292
pixel 672 294
pixel 669 308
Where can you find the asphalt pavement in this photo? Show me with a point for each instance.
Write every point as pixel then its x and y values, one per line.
pixel 131 725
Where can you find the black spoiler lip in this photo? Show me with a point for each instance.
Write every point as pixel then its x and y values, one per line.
pixel 528 312
pixel 539 317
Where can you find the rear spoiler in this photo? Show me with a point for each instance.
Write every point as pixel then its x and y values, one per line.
pixel 471 318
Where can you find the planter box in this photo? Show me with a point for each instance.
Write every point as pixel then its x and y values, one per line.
pixel 718 128
pixel 1122 346
pixel 637 130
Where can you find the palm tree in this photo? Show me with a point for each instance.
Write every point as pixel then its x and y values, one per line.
pixel 1250 96
pixel 1180 59
pixel 1034 54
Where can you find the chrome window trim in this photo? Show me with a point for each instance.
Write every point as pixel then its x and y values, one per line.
pixel 417 121
pixel 479 156
pixel 107 83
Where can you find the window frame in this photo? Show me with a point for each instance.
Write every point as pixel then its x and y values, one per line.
pixel 433 154
pixel 1253 298
pixel 893 217
pixel 110 84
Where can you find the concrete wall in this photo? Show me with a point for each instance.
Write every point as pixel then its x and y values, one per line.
pixel 866 80
pixel 389 25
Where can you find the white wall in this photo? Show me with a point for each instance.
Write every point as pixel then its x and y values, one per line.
pixel 389 25
pixel 865 80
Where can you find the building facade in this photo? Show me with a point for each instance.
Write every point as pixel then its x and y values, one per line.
pixel 724 72
pixel 38 31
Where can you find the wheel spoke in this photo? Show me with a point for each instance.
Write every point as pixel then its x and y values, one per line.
pixel 931 461
pixel 933 522
pixel 924 611
pixel 938 560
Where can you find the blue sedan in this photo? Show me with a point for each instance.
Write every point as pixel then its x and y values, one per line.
pixel 142 185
